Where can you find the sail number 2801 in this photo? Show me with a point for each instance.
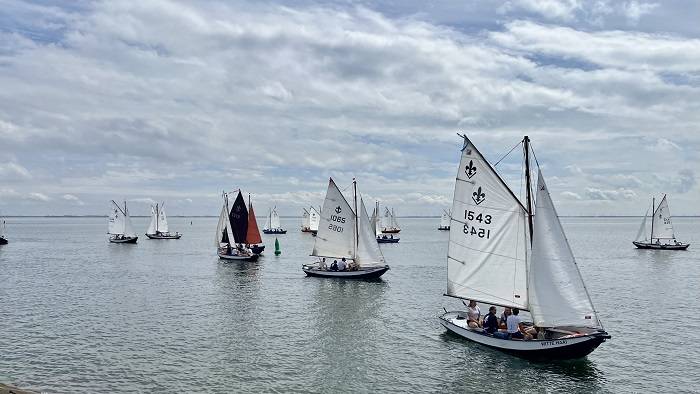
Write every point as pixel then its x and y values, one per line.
pixel 477 231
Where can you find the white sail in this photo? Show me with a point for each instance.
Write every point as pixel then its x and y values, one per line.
pixel 486 258
pixel 376 221
pixel 558 296
pixel 305 222
pixel 368 252
pixel 386 220
pixel 116 220
pixel 394 223
pixel 642 232
pixel 274 219
pixel 221 226
pixel 128 227
pixel 2 226
pixel 444 219
pixel 314 219
pixel 162 220
pixel 662 226
pixel 335 236
pixel 154 219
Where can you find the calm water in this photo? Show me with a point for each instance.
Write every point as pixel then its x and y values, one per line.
pixel 78 314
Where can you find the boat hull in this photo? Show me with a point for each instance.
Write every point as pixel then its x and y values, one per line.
pixel 392 231
pixel 387 240
pixel 257 249
pixel 306 230
pixel 362 273
pixel 540 350
pixel 646 245
pixel 161 236
pixel 446 228
pixel 125 240
pixel 274 231
pixel 229 257
pixel 3 241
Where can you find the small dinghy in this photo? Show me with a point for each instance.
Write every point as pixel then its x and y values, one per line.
pixel 389 224
pixel 231 231
pixel 381 237
pixel 346 238
pixel 498 256
pixel 158 228
pixel 273 223
pixel 3 237
pixel 121 230
pixel 310 220
pixel 661 230
pixel 445 220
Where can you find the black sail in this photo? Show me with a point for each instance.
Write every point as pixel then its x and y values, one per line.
pixel 239 219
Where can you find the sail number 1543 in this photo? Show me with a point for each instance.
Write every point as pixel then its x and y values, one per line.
pixel 477 231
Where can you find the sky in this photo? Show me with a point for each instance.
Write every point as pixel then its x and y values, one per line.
pixel 176 101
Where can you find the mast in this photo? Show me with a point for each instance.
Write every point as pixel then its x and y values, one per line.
pixel 157 217
pixel 357 218
pixel 526 150
pixel 653 212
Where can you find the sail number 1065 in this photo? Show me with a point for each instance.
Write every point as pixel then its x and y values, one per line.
pixel 477 231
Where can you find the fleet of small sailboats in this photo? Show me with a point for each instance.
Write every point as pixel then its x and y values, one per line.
pixel 382 237
pixel 232 231
pixel 445 220
pixel 502 253
pixel 158 228
pixel 273 223
pixel 347 236
pixel 121 230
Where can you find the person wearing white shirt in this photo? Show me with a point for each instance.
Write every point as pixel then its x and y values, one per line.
pixel 473 314
pixel 342 265
pixel 515 326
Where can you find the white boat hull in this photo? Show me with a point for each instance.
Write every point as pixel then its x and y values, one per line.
pixel 361 273
pixel 570 347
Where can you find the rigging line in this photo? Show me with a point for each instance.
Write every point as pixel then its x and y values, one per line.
pixel 506 155
pixel 534 155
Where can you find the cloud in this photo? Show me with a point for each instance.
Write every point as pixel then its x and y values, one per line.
pixel 551 9
pixel 73 199
pixel 13 171
pixel 610 195
pixel 634 10
pixel 570 195
pixel 38 197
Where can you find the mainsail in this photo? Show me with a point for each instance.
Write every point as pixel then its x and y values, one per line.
pixel 128 227
pixel 239 219
pixel 662 226
pixel 445 219
pixel 274 219
pixel 162 219
pixel 558 296
pixel 314 219
pixel 305 224
pixel 253 233
pixel 642 232
pixel 116 220
pixel 368 252
pixel 487 252
pixel 154 220
pixel 335 236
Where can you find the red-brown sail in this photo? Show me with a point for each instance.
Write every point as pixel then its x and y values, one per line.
pixel 253 235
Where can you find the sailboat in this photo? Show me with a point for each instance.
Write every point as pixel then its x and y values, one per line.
pixel 252 237
pixel 376 225
pixel 3 237
pixel 158 228
pixel 314 220
pixel 499 255
pixel 343 234
pixel 273 223
pixel 390 226
pixel 661 230
pixel 305 222
pixel 231 231
pixel 120 229
pixel 445 220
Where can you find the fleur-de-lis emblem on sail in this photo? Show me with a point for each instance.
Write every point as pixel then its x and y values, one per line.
pixel 338 210
pixel 470 169
pixel 478 196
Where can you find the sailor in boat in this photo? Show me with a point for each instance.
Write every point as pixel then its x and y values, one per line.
pixel 516 328
pixel 473 314
pixel 322 264
pixel 490 323
pixel 334 266
pixel 342 265
pixel 504 318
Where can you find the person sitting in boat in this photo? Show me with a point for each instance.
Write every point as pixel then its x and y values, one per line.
pixel 516 329
pixel 342 265
pixel 322 264
pixel 490 323
pixel 334 266
pixel 473 314
pixel 353 266
pixel 504 318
